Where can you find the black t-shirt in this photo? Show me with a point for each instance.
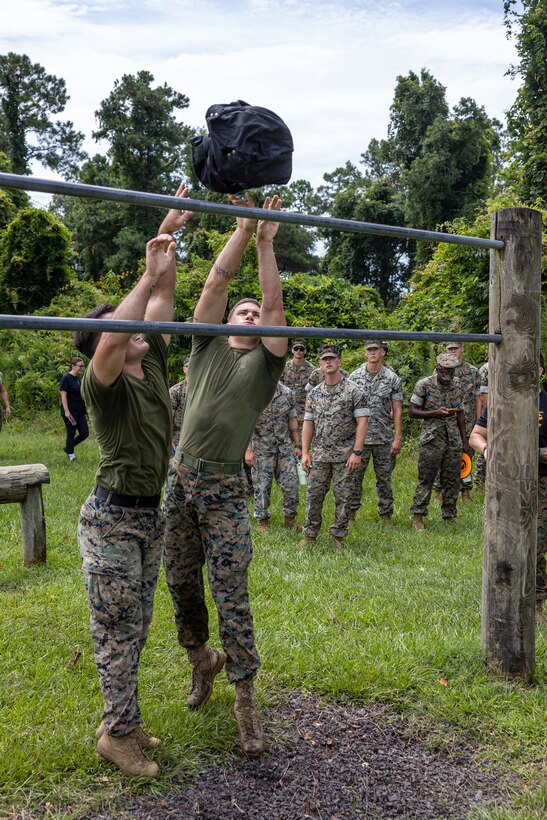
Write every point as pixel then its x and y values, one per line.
pixel 542 419
pixel 71 385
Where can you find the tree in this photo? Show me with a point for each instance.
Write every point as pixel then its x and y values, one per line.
pixel 148 152
pixel 28 98
pixel 527 119
pixel 34 261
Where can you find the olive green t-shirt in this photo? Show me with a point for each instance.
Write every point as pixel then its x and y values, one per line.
pixel 132 422
pixel 227 391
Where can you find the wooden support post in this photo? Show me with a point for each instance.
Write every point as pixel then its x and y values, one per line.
pixel 33 526
pixel 508 583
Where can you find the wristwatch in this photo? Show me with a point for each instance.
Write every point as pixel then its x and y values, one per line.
pixel 357 452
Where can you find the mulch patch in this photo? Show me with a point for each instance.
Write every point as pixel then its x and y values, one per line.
pixel 334 762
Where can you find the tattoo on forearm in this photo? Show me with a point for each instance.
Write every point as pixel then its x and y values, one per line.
pixel 226 274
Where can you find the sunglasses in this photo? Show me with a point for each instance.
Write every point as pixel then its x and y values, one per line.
pixel 298 347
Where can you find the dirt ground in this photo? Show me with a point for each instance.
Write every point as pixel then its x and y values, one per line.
pixel 334 762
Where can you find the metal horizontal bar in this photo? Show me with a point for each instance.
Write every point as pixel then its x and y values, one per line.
pixel 50 186
pixel 198 329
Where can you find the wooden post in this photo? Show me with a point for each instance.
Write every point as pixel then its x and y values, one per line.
pixel 508 582
pixel 23 483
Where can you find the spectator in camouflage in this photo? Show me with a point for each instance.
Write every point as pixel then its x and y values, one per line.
pixel 438 401
pixel 271 454
pixel 335 424
pixel 177 394
pixel 383 395
pixel 479 476
pixel 296 376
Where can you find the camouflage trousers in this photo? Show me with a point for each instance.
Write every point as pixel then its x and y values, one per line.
pixel 281 465
pixel 541 569
pixel 207 521
pixel 465 483
pixel 121 551
pixel 479 476
pixel 322 473
pixel 383 463
pixel 436 456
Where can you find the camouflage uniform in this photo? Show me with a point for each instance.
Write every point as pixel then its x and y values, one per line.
pixel 296 377
pixel 541 568
pixel 440 445
pixel 380 389
pixel 207 520
pixel 480 463
pixel 333 411
pixel 468 376
pixel 178 401
pixel 274 456
pixel 1 411
pixel 120 546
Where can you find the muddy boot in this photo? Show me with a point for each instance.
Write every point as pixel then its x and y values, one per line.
pixel 337 543
pixel 352 516
pixel 248 722
pixel 306 541
pixel 438 498
pixel 206 664
pixel 466 496
pixel 145 741
pixel 126 753
pixel 418 522
pixel 264 525
pixel 291 524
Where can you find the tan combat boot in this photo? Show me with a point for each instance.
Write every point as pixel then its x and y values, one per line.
pixel 337 543
pixel 126 753
pixel 386 519
pixel 541 617
pixel 145 740
pixel 438 498
pixel 466 495
pixel 248 722
pixel 352 516
pixel 264 525
pixel 306 541
pixel 418 522
pixel 291 524
pixel 206 664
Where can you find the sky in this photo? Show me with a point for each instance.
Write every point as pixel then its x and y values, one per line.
pixel 329 69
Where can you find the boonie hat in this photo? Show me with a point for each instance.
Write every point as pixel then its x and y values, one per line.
pixel 327 351
pixel 447 360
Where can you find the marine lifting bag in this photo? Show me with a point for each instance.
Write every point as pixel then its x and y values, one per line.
pixel 247 146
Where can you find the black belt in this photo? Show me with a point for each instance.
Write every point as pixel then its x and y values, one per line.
pixel 202 466
pixel 126 500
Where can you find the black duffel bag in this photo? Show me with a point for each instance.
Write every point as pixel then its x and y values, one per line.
pixel 247 146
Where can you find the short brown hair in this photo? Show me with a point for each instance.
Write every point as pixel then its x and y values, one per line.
pixel 251 299
pixel 87 340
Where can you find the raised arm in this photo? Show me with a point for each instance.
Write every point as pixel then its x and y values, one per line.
pixel 214 296
pixel 272 312
pixel 109 357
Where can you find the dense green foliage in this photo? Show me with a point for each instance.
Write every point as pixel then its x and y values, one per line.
pixel 527 119
pixel 34 261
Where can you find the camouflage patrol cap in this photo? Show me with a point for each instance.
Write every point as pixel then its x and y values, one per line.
pixel 453 345
pixel 326 351
pixel 370 343
pixel 447 360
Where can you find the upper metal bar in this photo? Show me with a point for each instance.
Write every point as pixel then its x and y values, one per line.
pixel 199 329
pixel 161 201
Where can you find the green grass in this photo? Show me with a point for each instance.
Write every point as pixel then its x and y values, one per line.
pixel 385 620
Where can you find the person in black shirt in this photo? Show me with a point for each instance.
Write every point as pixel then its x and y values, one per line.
pixel 73 410
pixel 478 441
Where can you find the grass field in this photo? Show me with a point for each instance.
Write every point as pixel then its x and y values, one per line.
pixel 394 618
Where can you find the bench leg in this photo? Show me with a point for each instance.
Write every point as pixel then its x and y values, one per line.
pixel 33 524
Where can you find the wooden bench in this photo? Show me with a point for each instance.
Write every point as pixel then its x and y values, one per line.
pixel 23 483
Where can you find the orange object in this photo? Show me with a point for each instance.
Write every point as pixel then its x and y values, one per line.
pixel 465 468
